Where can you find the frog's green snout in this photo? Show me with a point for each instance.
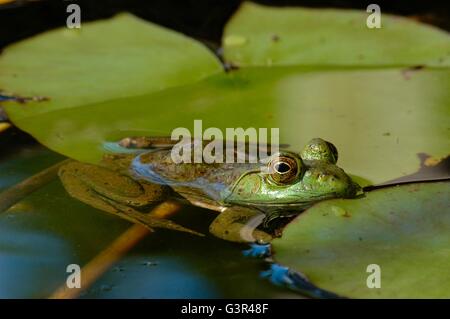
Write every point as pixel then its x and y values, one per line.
pixel 348 187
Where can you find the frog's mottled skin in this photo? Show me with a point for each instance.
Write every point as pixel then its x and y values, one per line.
pixel 245 194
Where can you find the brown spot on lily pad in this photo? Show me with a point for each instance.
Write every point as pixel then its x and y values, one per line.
pixel 341 212
pixel 431 161
pixel 408 72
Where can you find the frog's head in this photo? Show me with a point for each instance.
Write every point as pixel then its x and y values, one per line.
pixel 290 178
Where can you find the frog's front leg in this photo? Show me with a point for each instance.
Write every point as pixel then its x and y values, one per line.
pixel 115 193
pixel 238 224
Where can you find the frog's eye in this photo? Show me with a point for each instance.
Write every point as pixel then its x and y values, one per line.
pixel 284 169
pixel 320 150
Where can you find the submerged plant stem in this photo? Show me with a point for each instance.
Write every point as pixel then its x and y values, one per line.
pixel 17 192
pixel 114 252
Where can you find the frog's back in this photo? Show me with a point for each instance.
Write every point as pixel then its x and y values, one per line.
pixel 214 180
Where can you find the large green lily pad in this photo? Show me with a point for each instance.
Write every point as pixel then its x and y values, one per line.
pixel 101 86
pixel 108 59
pixel 261 35
pixel 405 230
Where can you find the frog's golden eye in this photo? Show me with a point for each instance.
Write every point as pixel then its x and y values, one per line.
pixel 284 169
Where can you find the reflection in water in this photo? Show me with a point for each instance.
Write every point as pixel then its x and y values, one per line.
pixel 169 278
pixel 31 263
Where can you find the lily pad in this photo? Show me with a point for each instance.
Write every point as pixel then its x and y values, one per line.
pixel 107 59
pixel 405 230
pixel 101 87
pixel 261 35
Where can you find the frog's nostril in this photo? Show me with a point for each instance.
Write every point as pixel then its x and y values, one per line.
pixel 353 189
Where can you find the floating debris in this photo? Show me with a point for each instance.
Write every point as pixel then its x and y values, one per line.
pixel 150 263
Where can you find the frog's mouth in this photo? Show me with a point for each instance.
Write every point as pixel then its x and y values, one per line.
pixel 277 203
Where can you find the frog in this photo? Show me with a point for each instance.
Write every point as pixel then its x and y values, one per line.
pixel 248 196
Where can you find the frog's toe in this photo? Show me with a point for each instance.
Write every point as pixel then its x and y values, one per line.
pixel 283 276
pixel 258 251
pixel 278 275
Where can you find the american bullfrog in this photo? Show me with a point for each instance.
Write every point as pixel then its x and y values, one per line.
pixel 248 196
